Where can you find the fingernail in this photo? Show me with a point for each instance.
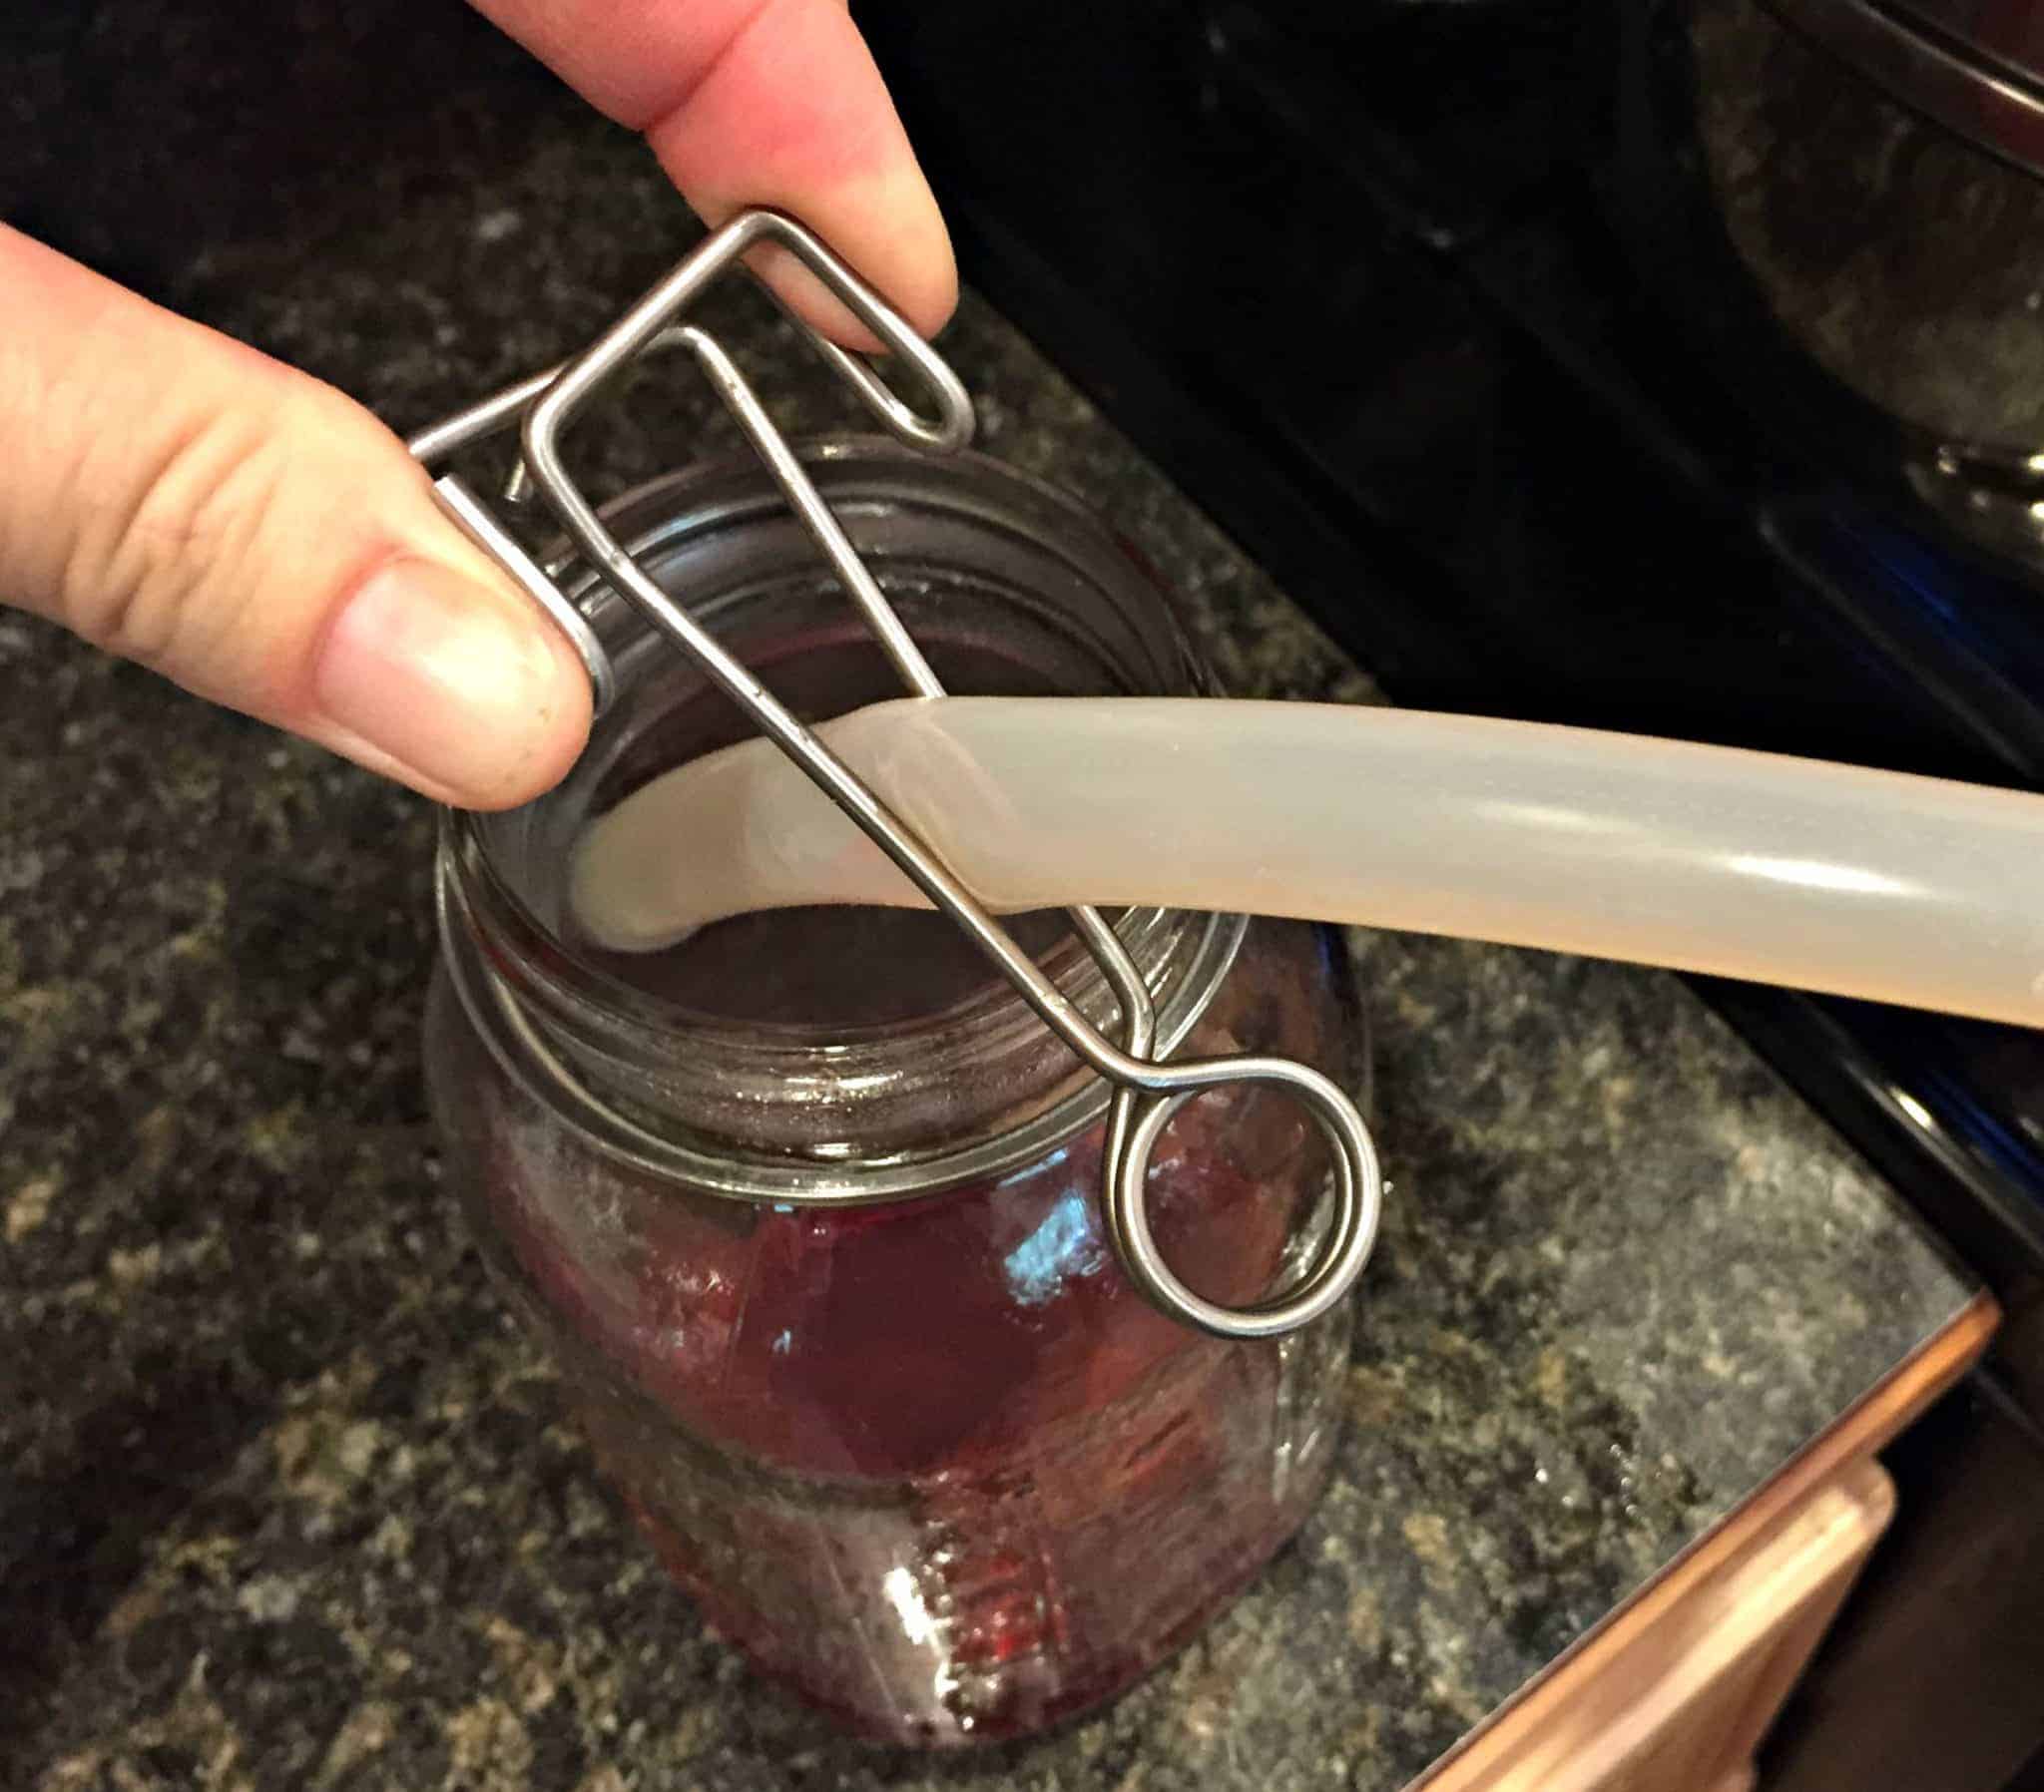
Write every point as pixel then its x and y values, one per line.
pixel 446 678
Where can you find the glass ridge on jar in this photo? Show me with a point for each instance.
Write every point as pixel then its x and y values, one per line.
pixel 806 1209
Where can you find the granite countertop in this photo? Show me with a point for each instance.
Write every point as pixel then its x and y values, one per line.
pixel 287 1502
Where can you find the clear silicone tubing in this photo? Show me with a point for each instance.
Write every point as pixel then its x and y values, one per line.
pixel 1786 871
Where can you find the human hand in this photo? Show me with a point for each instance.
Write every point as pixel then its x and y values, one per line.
pixel 189 503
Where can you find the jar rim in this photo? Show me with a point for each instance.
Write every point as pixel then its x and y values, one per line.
pixel 523 1054
pixel 489 927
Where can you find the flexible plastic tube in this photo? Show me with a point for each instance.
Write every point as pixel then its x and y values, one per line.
pixel 1786 871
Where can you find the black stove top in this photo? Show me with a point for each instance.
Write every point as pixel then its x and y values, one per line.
pixel 1380 292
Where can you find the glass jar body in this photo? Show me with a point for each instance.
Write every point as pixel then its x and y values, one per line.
pixel 934 1463
pixel 807 1211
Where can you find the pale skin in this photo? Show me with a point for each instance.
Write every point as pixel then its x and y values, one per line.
pixel 263 541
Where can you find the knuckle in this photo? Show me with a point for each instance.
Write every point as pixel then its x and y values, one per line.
pixel 164 555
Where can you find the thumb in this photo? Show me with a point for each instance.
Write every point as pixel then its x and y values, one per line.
pixel 189 503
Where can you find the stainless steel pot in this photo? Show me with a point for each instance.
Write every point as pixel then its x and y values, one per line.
pixel 1863 185
pixel 1975 66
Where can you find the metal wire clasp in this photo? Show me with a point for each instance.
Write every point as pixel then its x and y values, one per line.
pixel 1147 1092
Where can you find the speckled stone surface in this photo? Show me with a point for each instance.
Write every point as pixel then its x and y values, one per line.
pixel 284 1499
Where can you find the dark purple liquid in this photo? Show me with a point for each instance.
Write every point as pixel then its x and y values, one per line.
pixel 957 1401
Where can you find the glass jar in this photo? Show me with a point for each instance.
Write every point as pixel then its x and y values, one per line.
pixel 808 1208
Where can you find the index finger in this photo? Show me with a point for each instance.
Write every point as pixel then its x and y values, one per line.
pixel 762 103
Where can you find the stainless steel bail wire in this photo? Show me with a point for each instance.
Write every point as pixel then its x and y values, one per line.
pixel 1148 1092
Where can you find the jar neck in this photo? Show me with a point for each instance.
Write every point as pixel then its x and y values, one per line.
pixel 1013 581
